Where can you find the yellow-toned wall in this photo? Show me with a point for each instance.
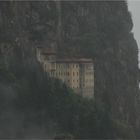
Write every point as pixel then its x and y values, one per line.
pixel 69 73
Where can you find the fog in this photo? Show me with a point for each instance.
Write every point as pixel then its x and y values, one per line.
pixel 14 124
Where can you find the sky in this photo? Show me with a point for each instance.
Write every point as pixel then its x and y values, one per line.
pixel 134 8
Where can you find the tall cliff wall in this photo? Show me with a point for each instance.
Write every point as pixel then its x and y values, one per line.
pixel 102 31
pixel 98 30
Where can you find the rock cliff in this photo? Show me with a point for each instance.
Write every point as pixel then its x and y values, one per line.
pixel 92 29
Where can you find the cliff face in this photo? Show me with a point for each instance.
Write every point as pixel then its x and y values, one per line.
pixel 98 30
pixel 102 31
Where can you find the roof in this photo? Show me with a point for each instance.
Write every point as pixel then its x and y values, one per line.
pixel 81 60
pixel 52 50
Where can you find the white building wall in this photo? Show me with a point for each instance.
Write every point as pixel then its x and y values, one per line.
pixel 78 76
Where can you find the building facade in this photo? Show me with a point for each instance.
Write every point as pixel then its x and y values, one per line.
pixel 78 74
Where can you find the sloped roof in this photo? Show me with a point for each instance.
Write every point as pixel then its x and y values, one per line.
pixel 74 60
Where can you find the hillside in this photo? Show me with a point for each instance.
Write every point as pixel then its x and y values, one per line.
pixel 35 106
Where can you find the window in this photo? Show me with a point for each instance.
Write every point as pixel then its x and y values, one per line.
pixel 73 74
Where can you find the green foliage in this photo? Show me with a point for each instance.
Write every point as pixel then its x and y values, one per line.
pixel 72 113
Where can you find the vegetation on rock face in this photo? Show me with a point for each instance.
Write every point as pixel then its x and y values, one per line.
pixel 35 106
